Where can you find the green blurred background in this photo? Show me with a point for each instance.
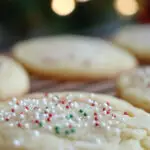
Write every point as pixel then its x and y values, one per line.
pixel 21 19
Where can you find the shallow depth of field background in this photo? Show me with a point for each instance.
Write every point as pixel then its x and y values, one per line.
pixel 22 19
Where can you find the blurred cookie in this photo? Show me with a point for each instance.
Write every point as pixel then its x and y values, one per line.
pixel 134 87
pixel 73 58
pixel 14 80
pixel 136 39
pixel 73 121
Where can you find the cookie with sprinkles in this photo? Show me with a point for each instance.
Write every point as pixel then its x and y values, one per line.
pixel 72 121
pixel 14 80
pixel 72 58
pixel 134 87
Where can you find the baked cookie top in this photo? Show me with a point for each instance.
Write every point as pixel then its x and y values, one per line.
pixel 135 37
pixel 14 80
pixel 136 85
pixel 72 121
pixel 137 78
pixel 74 55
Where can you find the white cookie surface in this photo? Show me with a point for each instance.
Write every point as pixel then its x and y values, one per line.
pixel 134 87
pixel 73 121
pixel 136 39
pixel 14 80
pixel 73 57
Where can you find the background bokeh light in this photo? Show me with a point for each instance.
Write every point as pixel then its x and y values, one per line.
pixel 63 7
pixel 126 7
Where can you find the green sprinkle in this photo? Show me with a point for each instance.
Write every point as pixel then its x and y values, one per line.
pixel 73 130
pixel 103 124
pixel 71 116
pixel 41 124
pixel 66 132
pixel 57 129
pixel 85 114
pixel 81 111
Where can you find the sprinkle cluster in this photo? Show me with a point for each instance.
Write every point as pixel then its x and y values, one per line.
pixel 63 116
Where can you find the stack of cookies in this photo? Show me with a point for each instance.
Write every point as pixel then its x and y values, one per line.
pixel 76 120
pixel 134 85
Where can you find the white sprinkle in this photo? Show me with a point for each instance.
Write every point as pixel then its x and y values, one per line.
pixel 27 126
pixel 21 116
pixel 117 131
pixel 108 128
pixel 11 124
pixel 44 101
pixel 10 103
pixel 85 124
pixel 105 105
pixel 49 128
pixel 1 119
pixel 14 99
pixel 36 133
pixel 103 124
pixel 14 114
pixel 15 106
pixel 16 142
pixel 110 107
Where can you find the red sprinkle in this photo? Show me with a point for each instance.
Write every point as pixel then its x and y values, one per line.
pixel 62 102
pixel 92 104
pixel 108 112
pixel 104 109
pixel 26 107
pixel 70 126
pixel 96 124
pixel 96 119
pixel 37 121
pixel 45 94
pixel 50 115
pixel 125 113
pixel 7 119
pixel 48 119
pixel 113 115
pixel 12 110
pixel 108 103
pixel 19 125
pixel 21 113
pixel 67 107
pixel 95 114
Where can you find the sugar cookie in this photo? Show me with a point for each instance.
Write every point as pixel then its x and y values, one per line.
pixel 73 57
pixel 134 87
pixel 136 39
pixel 72 121
pixel 14 80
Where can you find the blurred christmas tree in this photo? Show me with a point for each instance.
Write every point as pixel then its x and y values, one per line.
pixel 22 18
